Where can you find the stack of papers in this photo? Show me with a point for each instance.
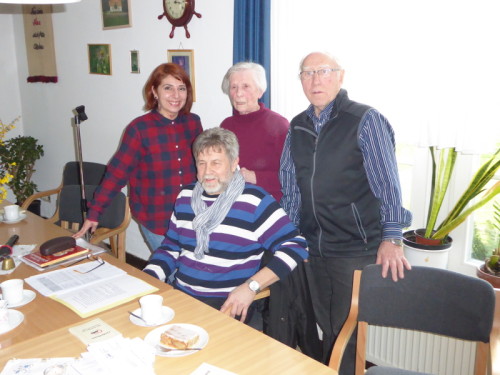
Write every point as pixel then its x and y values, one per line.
pixel 116 356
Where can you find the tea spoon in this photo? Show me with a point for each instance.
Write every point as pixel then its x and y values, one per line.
pixel 138 317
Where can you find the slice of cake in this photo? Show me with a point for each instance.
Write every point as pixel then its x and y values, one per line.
pixel 179 337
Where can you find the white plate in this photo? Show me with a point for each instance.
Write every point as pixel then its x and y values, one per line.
pixel 15 318
pixel 167 314
pixel 153 339
pixel 28 296
pixel 21 217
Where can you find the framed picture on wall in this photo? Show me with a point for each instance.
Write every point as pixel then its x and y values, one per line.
pixel 115 14
pixel 184 58
pixel 100 59
pixel 134 62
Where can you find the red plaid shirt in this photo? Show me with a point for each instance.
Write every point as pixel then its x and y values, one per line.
pixel 155 159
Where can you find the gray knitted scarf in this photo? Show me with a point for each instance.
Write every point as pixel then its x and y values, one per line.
pixel 208 218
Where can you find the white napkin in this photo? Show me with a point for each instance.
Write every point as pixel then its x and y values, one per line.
pixel 206 368
pixel 116 356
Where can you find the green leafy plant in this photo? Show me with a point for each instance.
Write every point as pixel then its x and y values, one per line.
pixel 492 264
pixel 442 170
pixel 17 158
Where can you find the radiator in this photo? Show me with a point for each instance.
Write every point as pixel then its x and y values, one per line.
pixel 420 351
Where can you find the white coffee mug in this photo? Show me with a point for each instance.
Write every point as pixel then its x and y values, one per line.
pixel 151 308
pixel 12 291
pixel 11 212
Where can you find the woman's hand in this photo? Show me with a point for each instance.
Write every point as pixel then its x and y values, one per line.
pixel 88 224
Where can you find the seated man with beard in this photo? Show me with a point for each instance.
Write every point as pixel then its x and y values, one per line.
pixel 220 229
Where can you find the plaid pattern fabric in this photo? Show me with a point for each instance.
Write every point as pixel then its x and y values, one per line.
pixel 155 159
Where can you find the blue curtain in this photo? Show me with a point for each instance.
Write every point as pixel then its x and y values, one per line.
pixel 252 36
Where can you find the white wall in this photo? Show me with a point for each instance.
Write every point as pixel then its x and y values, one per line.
pixel 111 102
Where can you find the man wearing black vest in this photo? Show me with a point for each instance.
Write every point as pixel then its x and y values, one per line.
pixel 341 188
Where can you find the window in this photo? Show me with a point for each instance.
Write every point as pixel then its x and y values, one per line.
pixel 434 78
pixel 486 230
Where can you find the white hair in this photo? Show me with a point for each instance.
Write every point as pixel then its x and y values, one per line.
pixel 259 75
pixel 327 54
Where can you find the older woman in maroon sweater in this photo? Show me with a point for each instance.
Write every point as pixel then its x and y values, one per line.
pixel 260 131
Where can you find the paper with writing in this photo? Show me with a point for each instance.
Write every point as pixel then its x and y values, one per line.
pixel 92 292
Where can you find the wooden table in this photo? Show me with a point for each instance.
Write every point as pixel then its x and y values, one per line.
pixel 46 315
pixel 232 345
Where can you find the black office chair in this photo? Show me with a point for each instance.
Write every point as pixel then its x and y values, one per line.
pixel 115 219
pixel 428 300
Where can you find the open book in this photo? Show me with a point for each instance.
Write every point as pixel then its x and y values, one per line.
pixel 87 289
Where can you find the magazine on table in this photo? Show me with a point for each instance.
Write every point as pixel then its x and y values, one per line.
pixel 91 287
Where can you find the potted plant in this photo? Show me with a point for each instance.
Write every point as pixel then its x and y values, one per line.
pixel 490 270
pixel 423 244
pixel 5 176
pixel 17 158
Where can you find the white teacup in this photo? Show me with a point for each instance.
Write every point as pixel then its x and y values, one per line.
pixel 151 308
pixel 12 291
pixel 11 212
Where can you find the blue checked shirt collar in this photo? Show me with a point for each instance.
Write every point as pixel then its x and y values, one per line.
pixel 324 116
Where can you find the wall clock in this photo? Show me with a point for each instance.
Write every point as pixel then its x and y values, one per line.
pixel 179 13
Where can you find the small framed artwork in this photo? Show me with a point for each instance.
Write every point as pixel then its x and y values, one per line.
pixel 134 62
pixel 184 58
pixel 115 14
pixel 100 59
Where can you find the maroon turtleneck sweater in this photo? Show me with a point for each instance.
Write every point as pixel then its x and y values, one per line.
pixel 261 135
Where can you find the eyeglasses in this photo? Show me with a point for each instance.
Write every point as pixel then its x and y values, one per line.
pixel 322 73
pixel 91 257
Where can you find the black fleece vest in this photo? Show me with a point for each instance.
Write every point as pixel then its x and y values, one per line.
pixel 340 216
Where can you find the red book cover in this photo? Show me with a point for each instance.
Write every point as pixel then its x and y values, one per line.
pixel 46 260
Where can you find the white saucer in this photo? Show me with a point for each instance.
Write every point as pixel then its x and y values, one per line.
pixel 167 314
pixel 153 339
pixel 28 296
pixel 15 318
pixel 21 217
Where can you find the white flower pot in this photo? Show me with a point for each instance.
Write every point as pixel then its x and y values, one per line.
pixel 425 255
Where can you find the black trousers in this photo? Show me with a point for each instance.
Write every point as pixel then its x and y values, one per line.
pixel 330 283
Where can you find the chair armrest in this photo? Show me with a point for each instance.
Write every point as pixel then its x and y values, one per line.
pixel 103 233
pixel 348 327
pixel 38 195
pixel 266 292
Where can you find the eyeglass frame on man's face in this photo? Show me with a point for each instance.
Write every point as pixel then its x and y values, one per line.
pixel 306 75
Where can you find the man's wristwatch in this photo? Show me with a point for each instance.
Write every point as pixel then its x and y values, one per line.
pixel 253 285
pixel 395 241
